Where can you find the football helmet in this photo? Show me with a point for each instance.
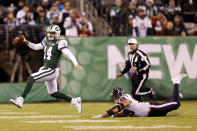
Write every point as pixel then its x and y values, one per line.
pixel 117 92
pixel 53 29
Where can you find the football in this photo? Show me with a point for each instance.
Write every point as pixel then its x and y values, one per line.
pixel 18 40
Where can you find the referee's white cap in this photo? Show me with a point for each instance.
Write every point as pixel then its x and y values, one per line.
pixel 132 40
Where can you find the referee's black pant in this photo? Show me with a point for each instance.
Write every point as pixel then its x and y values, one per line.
pixel 138 88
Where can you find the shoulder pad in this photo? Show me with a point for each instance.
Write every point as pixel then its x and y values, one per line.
pixel 124 97
pixel 62 44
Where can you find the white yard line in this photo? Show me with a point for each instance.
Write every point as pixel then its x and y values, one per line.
pixel 70 121
pixel 35 116
pixel 11 129
pixel 17 113
pixel 125 127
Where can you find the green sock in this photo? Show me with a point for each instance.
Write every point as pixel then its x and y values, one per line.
pixel 61 96
pixel 28 87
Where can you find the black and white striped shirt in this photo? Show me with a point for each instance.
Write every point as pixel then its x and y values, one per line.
pixel 137 59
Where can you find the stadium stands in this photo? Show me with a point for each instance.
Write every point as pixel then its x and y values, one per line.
pixel 93 18
pixel 118 16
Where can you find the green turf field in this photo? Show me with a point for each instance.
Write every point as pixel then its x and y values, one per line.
pixel 58 116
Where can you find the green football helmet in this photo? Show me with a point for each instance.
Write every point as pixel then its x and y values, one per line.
pixel 53 29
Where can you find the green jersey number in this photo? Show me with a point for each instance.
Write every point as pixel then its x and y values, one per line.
pixel 48 53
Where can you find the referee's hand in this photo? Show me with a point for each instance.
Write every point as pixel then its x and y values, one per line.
pixel 79 67
pixel 119 75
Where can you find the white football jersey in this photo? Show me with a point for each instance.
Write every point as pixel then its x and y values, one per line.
pixel 139 109
pixel 142 25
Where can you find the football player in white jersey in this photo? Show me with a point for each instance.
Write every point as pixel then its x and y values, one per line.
pixel 128 106
pixel 142 25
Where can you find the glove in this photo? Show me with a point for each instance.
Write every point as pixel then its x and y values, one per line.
pixel 98 116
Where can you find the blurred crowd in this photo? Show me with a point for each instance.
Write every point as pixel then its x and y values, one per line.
pixel 31 18
pixel 148 17
pixel 138 18
pixel 45 12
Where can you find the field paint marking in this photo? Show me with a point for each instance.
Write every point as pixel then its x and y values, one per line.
pixel 35 116
pixel 4 110
pixel 125 127
pixel 98 104
pixel 70 121
pixel 18 113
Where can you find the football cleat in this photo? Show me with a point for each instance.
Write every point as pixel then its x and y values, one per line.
pixel 18 102
pixel 76 102
pixel 177 79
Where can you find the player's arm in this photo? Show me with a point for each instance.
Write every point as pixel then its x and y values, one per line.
pixel 114 110
pixel 33 46
pixel 68 53
pixel 119 114
pixel 63 47
pixel 124 113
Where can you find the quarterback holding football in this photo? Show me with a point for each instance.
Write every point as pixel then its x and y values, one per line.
pixel 18 41
pixel 53 47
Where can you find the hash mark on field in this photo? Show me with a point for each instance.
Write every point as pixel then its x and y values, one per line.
pixel 18 113
pixel 70 121
pixel 124 127
pixel 35 116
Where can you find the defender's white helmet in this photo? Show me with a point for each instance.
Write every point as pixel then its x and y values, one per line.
pixel 53 29
pixel 132 40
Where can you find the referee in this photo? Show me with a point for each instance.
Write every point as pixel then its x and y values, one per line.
pixel 138 65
